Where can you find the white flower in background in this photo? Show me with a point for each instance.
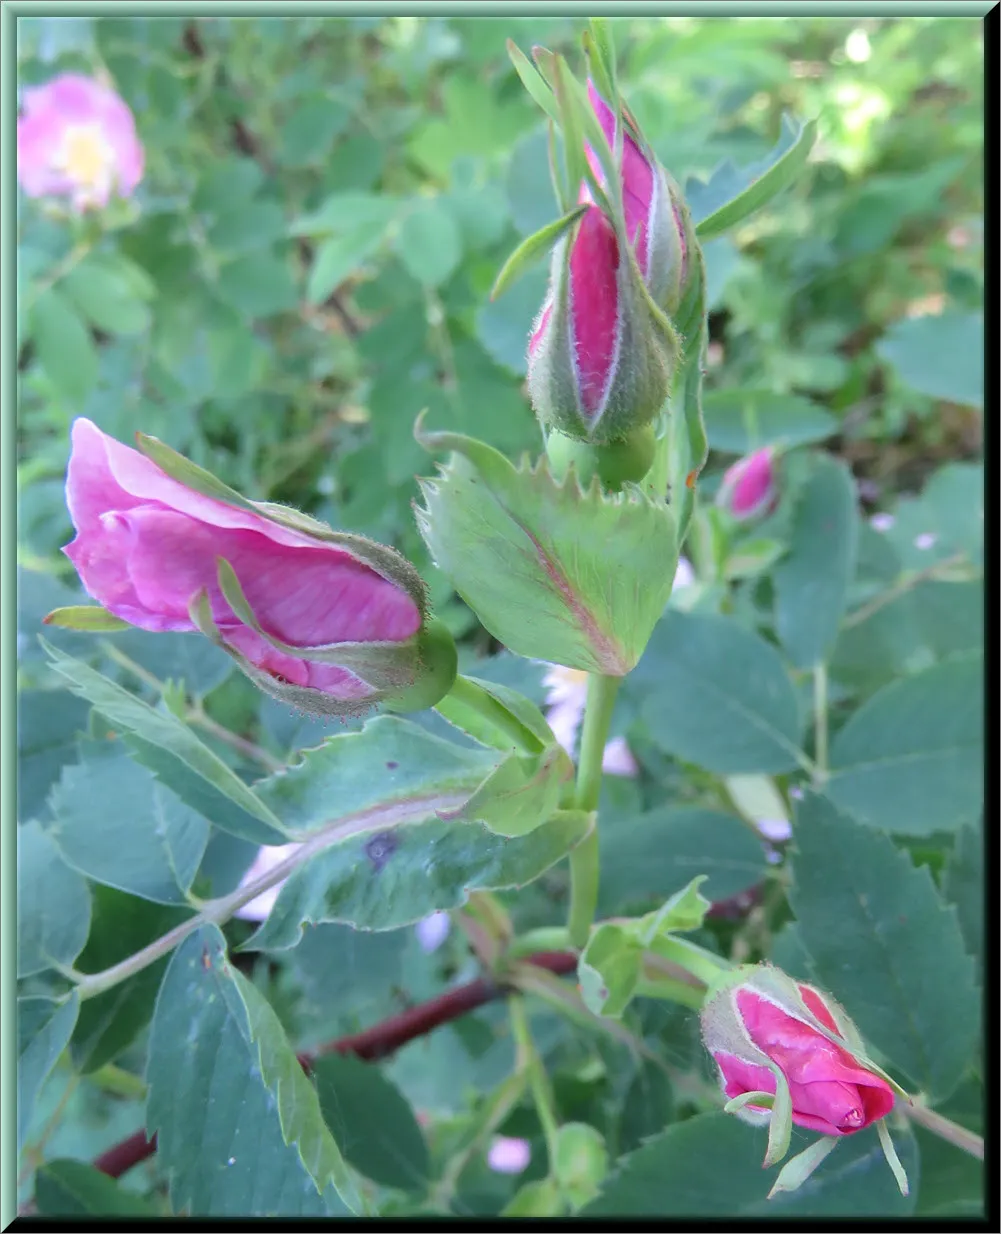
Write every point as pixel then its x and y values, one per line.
pixel 508 1155
pixel 268 856
pixel 566 694
pixel 684 576
pixel 433 930
pixel 925 541
pixel 882 522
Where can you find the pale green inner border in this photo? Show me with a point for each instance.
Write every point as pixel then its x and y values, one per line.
pixel 8 469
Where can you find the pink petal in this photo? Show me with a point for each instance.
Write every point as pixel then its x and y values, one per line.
pixel 639 185
pixel 594 300
pixel 508 1155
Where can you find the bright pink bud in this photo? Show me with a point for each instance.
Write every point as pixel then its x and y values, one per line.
pixel 76 138
pixel 656 219
pixel 749 488
pixel 148 547
pixel 749 1034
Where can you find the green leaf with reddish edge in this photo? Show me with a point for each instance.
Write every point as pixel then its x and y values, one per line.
pixel 44 1026
pixel 161 742
pixel 732 194
pixel 381 879
pixel 533 249
pixel 258 1144
pixel 876 929
pixel 519 794
pixel 87 617
pixel 530 556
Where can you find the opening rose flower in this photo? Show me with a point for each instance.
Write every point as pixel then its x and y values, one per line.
pixel 76 138
pixel 329 622
pixel 788 1054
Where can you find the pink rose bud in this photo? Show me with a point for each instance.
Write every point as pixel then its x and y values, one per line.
pixel 77 139
pixel 328 622
pixel 598 362
pixel 762 1028
pixel 750 488
pixel 657 221
pixel 508 1155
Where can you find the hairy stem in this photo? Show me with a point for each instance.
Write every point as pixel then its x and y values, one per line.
pixel 945 1128
pixel 584 870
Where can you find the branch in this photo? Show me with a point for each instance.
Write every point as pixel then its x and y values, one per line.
pixel 379 1041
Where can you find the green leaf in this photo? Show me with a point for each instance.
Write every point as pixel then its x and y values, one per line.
pixel 89 617
pixel 941 356
pixel 882 940
pixel 116 823
pixel 520 794
pixel 261 1148
pixel 68 1188
pixel 503 326
pixel 646 856
pixel 733 194
pixel 259 284
pixel 716 694
pixel 647 1108
pixel 107 297
pixel 372 1122
pixel 910 760
pixel 471 720
pixel 609 970
pixel 383 879
pixel 340 255
pixel 44 1026
pixel 307 135
pixel 533 249
pixel 580 1162
pixel 48 722
pixel 529 557
pixel 110 1022
pixel 742 421
pixel 174 754
pixel 429 243
pixel 964 887
pixel 812 580
pixel 344 213
pixel 533 81
pixel 53 904
pixel 65 348
pixel 678 1175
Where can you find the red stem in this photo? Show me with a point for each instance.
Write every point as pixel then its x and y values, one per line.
pixel 372 1043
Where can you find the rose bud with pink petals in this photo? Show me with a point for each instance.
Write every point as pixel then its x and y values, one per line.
pixel 750 487
pixel 788 1054
pixel 328 622
pixel 657 220
pixel 77 139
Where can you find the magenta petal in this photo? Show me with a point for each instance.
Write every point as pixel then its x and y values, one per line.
pixel 742 1077
pixel 91 488
pixel 594 301
pixel 638 183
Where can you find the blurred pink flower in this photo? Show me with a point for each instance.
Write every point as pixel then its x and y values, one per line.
pixel 76 138
pixel 749 487
pixel 882 521
pixel 507 1155
pixel 566 694
pixel 433 930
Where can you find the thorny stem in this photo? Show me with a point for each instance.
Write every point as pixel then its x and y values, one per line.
pixel 584 870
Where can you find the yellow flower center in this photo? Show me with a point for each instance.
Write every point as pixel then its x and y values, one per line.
pixel 85 156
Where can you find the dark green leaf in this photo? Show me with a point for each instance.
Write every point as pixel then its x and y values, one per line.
pixel 648 1106
pixel 66 350
pixel 107 298
pixel 53 904
pixel 716 694
pixel 964 887
pixel 259 1146
pixel 372 1122
pixel 741 421
pixel 259 285
pixel 911 759
pixel 48 722
pixel 429 243
pixel 116 823
pixel 940 356
pixel 885 944
pixel 44 1027
pixel 812 579
pixel 67 1188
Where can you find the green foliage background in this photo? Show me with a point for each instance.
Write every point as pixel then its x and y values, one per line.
pixel 326 205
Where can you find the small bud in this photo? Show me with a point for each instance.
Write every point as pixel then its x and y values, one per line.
pixel 750 487
pixel 599 359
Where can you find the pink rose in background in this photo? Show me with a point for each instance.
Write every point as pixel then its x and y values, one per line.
pixel 147 545
pixel 77 139
pixel 749 487
pixel 831 1090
